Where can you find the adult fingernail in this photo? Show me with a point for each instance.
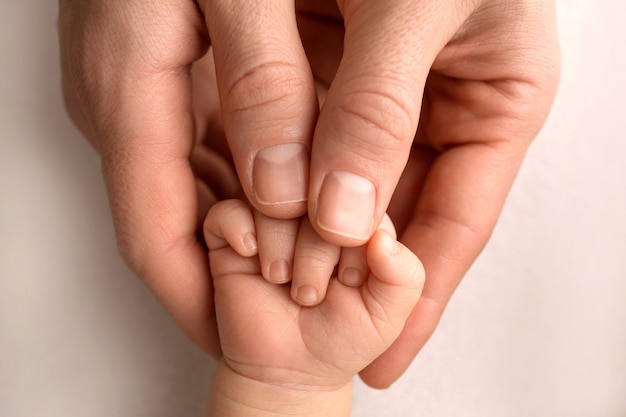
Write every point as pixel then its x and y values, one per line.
pixel 346 205
pixel 281 173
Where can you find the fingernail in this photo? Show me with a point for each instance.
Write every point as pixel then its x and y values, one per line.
pixel 249 242
pixel 352 277
pixel 281 174
pixel 346 205
pixel 279 271
pixel 306 295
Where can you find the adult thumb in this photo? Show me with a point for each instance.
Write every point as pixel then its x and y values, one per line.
pixel 369 119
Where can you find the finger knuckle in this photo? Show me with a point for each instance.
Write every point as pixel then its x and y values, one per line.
pixel 315 258
pixel 385 116
pixel 274 84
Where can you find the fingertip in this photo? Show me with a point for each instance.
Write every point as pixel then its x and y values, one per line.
pixel 249 244
pixel 352 277
pixel 306 295
pixel 393 263
pixel 382 251
pixel 387 225
pixel 230 222
pixel 353 269
pixel 388 244
pixel 278 272
pixel 277 240
pixel 314 264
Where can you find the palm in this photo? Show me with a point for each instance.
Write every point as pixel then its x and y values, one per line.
pixel 265 335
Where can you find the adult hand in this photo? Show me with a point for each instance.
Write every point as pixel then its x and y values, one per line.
pixel 127 74
pixel 478 76
pixel 458 89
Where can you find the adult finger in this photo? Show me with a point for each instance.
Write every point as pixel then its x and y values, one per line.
pixel 369 119
pixel 134 93
pixel 268 99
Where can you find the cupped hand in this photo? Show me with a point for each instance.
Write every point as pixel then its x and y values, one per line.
pixel 438 99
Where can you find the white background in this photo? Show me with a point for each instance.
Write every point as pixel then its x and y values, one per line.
pixel 537 328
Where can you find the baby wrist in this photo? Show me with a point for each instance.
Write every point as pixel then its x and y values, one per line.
pixel 233 394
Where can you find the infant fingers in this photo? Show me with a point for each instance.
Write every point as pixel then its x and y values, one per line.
pixel 353 267
pixel 230 223
pixel 313 265
pixel 396 279
pixel 277 241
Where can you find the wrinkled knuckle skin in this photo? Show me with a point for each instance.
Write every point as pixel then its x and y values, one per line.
pixel 278 85
pixel 385 115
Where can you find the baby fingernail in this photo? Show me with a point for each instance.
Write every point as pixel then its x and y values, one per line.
pixel 306 295
pixel 279 271
pixel 352 277
pixel 281 173
pixel 346 205
pixel 249 242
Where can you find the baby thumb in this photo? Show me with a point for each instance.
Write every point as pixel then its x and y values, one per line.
pixel 395 282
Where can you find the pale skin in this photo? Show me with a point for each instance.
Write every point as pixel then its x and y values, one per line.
pixel 283 358
pixel 342 109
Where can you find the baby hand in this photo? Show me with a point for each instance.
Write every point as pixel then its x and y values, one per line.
pixel 266 336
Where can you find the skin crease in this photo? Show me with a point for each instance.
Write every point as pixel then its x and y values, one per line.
pixel 489 72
